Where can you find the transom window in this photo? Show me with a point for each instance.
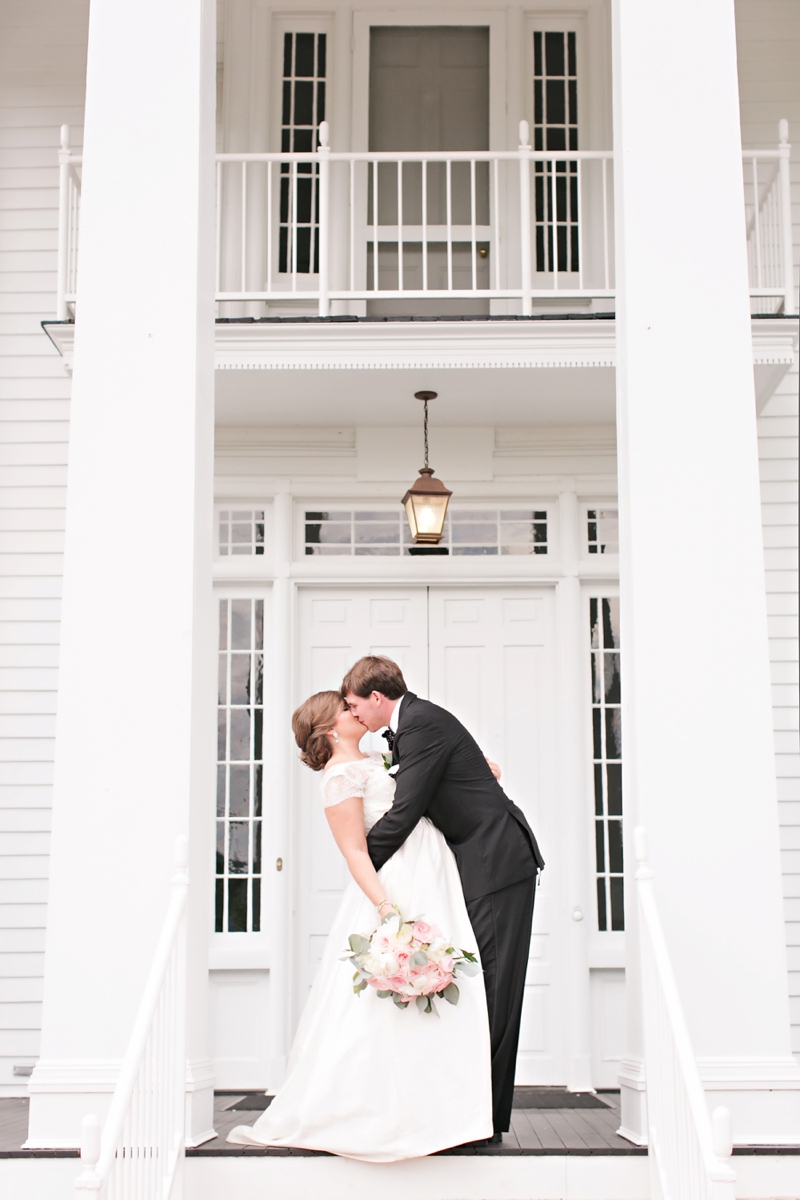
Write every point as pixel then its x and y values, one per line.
pixel 602 530
pixel 302 112
pixel 555 127
pixel 241 531
pixel 607 758
pixel 484 531
pixel 239 766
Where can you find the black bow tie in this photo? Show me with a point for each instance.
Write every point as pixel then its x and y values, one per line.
pixel 389 735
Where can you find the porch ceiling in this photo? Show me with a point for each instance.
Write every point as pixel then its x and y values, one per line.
pixel 347 372
pixel 515 396
pixel 507 372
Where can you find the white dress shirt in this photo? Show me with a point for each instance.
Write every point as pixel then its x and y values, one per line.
pixel 394 719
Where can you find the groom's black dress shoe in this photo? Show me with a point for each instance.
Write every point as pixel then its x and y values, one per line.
pixel 495 1140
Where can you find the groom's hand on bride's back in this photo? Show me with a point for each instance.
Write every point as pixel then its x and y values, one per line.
pixel 493 767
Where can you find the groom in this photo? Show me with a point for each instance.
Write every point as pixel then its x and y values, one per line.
pixel 442 774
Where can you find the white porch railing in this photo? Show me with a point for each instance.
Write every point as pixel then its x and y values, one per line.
pixel 300 229
pixel 769 225
pixel 689 1150
pixel 139 1154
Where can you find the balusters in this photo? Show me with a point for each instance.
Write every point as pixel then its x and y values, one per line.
pixel 525 217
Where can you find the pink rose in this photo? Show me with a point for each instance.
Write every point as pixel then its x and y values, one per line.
pixel 423 931
pixel 403 956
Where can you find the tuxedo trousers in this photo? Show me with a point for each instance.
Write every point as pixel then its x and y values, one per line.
pixel 502 923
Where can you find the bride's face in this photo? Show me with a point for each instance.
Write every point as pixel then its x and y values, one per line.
pixel 347 726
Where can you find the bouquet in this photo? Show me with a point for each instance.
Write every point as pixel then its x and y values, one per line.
pixel 408 960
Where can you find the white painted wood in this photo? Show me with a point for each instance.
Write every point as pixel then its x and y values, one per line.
pixel 491 663
pixel 39 91
pixel 141 764
pixel 767 53
pixel 337 626
pixel 711 809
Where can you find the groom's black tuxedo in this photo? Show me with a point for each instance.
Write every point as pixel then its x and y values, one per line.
pixel 443 775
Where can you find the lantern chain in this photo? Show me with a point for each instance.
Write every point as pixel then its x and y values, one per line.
pixel 426 433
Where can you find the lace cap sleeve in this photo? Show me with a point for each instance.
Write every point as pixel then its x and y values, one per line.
pixel 342 782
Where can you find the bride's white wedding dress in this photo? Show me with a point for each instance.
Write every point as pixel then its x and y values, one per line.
pixel 367 1079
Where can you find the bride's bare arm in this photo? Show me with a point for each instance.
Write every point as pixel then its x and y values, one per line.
pixel 346 820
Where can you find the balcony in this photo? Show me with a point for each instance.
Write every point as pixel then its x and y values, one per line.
pixel 456 233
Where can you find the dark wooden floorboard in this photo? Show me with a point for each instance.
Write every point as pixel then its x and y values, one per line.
pixel 593 1135
pixel 542 1125
pixel 526 1135
pixel 549 1131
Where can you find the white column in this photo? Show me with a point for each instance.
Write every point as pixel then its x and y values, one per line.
pixel 572 703
pixel 280 888
pixel 698 750
pixel 134 750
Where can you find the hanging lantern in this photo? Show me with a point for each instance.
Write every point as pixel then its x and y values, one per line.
pixel 426 500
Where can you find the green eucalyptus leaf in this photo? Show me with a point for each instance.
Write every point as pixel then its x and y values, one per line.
pixel 451 993
pixel 358 943
pixel 399 1001
pixel 419 959
pixel 469 968
pixel 384 995
pixel 423 1004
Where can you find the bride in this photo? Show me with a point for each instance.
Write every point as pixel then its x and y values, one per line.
pixel 365 1078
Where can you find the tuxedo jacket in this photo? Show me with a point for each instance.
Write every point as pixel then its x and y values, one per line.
pixel 443 775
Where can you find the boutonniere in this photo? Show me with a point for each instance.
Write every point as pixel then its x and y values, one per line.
pixel 387 761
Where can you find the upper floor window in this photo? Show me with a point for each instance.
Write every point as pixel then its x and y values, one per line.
pixel 302 112
pixel 555 127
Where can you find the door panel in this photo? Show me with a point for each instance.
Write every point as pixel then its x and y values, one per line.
pixel 337 626
pixel 491 665
pixel 489 655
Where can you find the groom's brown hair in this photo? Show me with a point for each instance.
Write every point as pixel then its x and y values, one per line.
pixel 375 674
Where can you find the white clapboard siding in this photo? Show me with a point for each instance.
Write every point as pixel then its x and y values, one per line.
pixel 42 69
pixel 768 51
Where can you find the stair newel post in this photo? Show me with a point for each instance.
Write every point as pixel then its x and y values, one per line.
pixel 89 1182
pixel 323 155
pixel 62 313
pixel 525 216
pixel 784 149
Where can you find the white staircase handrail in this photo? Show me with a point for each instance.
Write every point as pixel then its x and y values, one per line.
pixel 689 1149
pixel 148 1136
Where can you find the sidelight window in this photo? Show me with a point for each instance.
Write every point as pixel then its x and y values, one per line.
pixel 607 761
pixel 555 127
pixel 240 728
pixel 302 112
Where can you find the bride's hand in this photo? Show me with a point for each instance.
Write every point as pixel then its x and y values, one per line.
pixel 493 767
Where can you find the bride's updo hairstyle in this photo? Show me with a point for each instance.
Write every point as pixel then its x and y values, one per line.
pixel 311 722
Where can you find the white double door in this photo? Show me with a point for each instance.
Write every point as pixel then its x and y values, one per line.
pixel 486 654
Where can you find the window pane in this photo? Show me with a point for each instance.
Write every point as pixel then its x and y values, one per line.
pixel 256 905
pixel 600 845
pixel 617 904
pixel 613 692
pixel 240 792
pixel 220 847
pixel 220 791
pixel 615 847
pixel 237 905
pixel 240 624
pixel 613 733
pixel 240 734
pixel 602 920
pixel 614 783
pixel 238 847
pixel 240 679
pixel 219 900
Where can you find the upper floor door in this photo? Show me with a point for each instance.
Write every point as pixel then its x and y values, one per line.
pixel 428 90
